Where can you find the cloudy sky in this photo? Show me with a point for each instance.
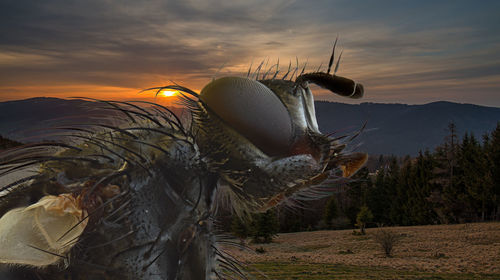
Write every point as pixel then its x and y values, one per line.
pixel 402 51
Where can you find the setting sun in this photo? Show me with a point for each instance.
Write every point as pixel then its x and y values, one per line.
pixel 168 93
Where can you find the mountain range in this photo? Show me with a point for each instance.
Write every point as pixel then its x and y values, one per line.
pixel 401 129
pixel 390 129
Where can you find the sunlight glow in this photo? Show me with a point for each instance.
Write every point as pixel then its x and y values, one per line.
pixel 168 93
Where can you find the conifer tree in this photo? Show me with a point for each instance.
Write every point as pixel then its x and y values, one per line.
pixel 264 227
pixel 364 216
pixel 396 191
pixel 240 229
pixel 494 156
pixel 378 199
pixel 357 193
pixel 407 182
pixel 331 211
pixel 474 178
pixel 446 195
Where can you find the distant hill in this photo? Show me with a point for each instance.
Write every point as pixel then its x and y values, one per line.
pixel 397 129
pixel 21 119
pixel 7 143
pixel 401 129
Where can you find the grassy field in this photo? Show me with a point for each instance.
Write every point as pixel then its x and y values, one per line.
pixel 466 251
pixel 317 271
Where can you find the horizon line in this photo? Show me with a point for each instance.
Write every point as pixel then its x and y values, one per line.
pixel 172 102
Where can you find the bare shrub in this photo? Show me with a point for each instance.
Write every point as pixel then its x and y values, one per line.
pixel 387 240
pixel 260 250
pixel 438 255
pixel 346 252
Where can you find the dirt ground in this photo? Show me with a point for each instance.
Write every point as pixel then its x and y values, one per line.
pixel 470 248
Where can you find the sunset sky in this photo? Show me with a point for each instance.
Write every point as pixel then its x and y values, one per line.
pixel 401 51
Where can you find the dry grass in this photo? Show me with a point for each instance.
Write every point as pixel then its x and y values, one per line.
pixel 469 248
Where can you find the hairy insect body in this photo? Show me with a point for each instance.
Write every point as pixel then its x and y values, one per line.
pixel 169 227
pixel 149 191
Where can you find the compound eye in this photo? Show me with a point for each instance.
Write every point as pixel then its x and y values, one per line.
pixel 252 110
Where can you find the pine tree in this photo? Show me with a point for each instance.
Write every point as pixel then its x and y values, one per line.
pixel 424 175
pixel 396 191
pixel 406 187
pixel 474 178
pixel 488 200
pixel 240 228
pixel 494 157
pixel 264 227
pixel 357 192
pixel 364 216
pixel 378 199
pixel 331 211
pixel 445 196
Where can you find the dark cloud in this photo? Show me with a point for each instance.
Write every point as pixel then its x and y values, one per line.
pixel 389 45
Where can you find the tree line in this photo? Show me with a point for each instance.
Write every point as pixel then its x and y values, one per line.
pixel 458 182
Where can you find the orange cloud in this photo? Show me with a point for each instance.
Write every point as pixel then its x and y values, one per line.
pixel 88 91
